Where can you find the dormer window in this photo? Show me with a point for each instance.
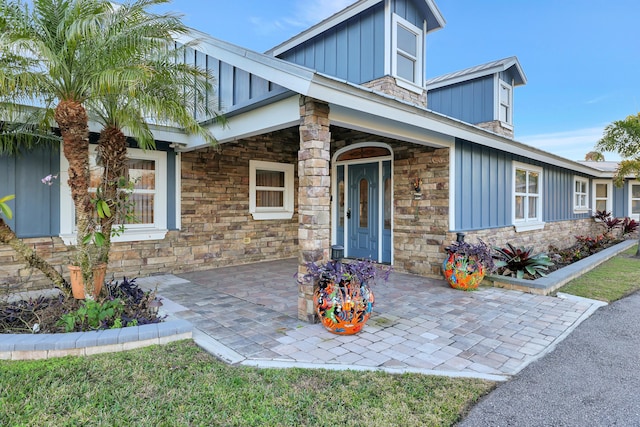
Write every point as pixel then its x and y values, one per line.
pixel 506 100
pixel 407 51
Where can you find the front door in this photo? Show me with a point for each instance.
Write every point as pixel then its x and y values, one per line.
pixel 363 215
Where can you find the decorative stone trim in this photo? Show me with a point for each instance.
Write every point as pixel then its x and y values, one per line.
pixel 314 195
pixel 46 346
pixel 496 126
pixel 389 86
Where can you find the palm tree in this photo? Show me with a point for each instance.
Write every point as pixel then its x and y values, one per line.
pixel 164 90
pixel 594 156
pixel 59 41
pixel 82 57
pixel 623 137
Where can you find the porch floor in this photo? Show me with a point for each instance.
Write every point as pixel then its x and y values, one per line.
pixel 248 315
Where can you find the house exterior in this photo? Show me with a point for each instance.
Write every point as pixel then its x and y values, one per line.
pixel 326 135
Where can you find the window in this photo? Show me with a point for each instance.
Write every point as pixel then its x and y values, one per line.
pixel 634 201
pixel 148 171
pixel 407 55
pixel 602 195
pixel 270 190
pixel 580 191
pixel 506 100
pixel 527 201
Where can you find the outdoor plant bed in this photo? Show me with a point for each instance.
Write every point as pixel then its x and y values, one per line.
pixel 561 276
pixel 125 304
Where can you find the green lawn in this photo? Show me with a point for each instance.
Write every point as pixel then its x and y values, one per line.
pixel 179 384
pixel 611 281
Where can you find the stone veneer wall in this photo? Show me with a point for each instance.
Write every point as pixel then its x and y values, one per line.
pixel 496 126
pixel 217 228
pixel 420 226
pixel 387 84
pixel 560 234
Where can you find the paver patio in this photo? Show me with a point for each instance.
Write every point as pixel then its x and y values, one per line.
pixel 247 315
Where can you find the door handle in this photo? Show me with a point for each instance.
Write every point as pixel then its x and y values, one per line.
pixel 349 213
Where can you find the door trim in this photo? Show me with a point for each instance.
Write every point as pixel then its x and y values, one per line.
pixel 334 191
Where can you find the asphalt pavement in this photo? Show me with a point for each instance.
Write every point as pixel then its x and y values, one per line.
pixel 592 378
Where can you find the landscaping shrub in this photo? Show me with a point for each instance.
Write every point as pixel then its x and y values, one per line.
pixel 125 305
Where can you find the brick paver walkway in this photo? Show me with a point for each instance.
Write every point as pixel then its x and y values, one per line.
pixel 418 324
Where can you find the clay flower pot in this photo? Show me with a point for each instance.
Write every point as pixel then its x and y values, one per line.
pixel 77 281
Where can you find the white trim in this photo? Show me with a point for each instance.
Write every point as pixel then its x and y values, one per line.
pixel 335 196
pixel 529 226
pixel 133 232
pixel 608 200
pixel 178 197
pixel 580 208
pixel 501 84
pixel 266 213
pixel 405 84
pixel 630 213
pixel 387 38
pixel 418 60
pixel 524 224
pixel 452 186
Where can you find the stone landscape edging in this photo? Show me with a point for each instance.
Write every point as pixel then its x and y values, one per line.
pixel 45 346
pixel 556 279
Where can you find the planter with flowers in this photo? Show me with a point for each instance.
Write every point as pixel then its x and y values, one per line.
pixel 467 263
pixel 344 299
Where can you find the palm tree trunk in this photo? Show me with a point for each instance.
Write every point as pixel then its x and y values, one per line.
pixel 7 236
pixel 112 156
pixel 73 122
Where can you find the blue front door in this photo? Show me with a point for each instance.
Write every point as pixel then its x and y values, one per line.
pixel 363 214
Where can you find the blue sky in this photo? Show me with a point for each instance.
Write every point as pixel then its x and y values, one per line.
pixel 581 57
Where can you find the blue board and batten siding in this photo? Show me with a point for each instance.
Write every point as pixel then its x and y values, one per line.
pixel 233 88
pixel 484 188
pixel 353 50
pixel 471 101
pixel 36 207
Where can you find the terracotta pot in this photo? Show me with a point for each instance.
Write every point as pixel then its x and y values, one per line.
pixel 77 281
pixel 344 309
pixel 463 272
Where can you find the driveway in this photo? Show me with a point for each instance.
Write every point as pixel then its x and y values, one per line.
pixel 592 378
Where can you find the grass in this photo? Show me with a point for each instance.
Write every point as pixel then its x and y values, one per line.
pixel 612 280
pixel 179 384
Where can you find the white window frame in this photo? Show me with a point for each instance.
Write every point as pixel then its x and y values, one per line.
pixel 631 199
pixel 266 213
pixel 608 199
pixel 418 82
pixel 133 232
pixel 577 207
pixel 502 102
pixel 536 222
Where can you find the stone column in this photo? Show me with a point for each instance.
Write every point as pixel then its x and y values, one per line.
pixel 314 196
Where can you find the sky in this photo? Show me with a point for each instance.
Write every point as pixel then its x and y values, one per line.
pixel 581 57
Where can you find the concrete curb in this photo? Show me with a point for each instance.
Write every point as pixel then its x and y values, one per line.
pixel 45 346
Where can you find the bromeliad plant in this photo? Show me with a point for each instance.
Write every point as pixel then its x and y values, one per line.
pixel 519 262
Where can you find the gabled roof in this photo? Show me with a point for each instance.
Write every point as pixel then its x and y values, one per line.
pixel 479 71
pixel 436 21
pixel 352 105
